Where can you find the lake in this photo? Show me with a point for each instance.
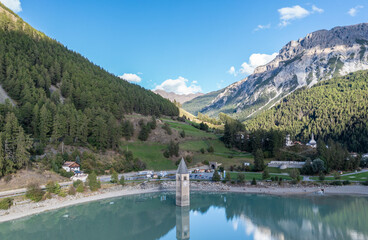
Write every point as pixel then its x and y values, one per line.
pixel 210 216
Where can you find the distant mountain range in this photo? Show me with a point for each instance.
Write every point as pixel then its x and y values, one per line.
pixel 181 98
pixel 319 56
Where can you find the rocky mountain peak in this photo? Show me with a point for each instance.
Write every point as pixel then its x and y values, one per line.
pixel 318 56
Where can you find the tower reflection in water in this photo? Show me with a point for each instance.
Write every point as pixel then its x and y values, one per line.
pixel 182 223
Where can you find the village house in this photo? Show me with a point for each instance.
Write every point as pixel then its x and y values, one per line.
pixel 71 166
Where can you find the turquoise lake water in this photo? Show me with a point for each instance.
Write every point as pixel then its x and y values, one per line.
pixel 210 216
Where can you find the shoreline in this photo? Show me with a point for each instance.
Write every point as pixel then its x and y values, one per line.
pixel 26 208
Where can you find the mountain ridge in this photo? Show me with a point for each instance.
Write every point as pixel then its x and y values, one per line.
pixel 318 56
pixel 180 98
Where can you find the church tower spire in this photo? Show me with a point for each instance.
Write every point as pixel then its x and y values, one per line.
pixel 182 184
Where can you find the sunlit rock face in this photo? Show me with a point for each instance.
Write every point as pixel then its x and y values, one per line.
pixel 319 56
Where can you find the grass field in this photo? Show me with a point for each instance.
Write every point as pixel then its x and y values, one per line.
pixel 190 131
pixel 362 177
pixel 151 154
pixel 258 176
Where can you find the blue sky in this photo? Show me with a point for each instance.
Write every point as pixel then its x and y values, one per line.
pixel 183 45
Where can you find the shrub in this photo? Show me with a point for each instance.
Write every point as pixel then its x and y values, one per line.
pixel 76 183
pixel 6 203
pixel 216 176
pixel 122 181
pixel 254 182
pixel 62 194
pixel 80 188
pixel 205 162
pixel 114 177
pixel 182 134
pixel 34 192
pixel 346 182
pixel 210 149
pixel 53 187
pixel 336 183
pixel 202 150
pixel 93 184
pixel 232 182
pixel 72 190
pixel 228 177
pixel 241 177
pixel 321 176
pixel 265 174
pixel 365 183
pixel 66 174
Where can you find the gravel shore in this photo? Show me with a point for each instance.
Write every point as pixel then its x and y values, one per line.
pixel 27 208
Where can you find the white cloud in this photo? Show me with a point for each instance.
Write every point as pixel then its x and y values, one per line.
pixel 261 27
pixel 255 60
pixel 13 5
pixel 288 14
pixel 232 71
pixel 353 11
pixel 131 77
pixel 194 82
pixel 179 86
pixel 316 9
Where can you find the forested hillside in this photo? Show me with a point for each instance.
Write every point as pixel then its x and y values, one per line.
pixel 61 96
pixel 336 109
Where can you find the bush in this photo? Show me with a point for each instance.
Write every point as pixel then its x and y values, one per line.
pixel 265 174
pixel 66 174
pixel 62 194
pixel 241 177
pixel 53 187
pixel 6 203
pixel 205 162
pixel 114 177
pixel 365 183
pixel 254 182
pixel 34 192
pixel 232 182
pixel 72 190
pixel 93 184
pixel 336 183
pixel 321 176
pixel 346 182
pixel 182 134
pixel 228 177
pixel 122 181
pixel 77 183
pixel 216 176
pixel 80 188
pixel 210 149
pixel 202 150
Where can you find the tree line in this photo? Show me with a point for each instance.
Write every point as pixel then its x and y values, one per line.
pixel 60 96
pixel 334 109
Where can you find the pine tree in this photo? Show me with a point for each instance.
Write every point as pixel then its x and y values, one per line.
pixel 2 159
pixel 45 123
pixel 259 160
pixel 22 155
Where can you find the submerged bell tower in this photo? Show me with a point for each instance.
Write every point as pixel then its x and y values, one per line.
pixel 182 185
